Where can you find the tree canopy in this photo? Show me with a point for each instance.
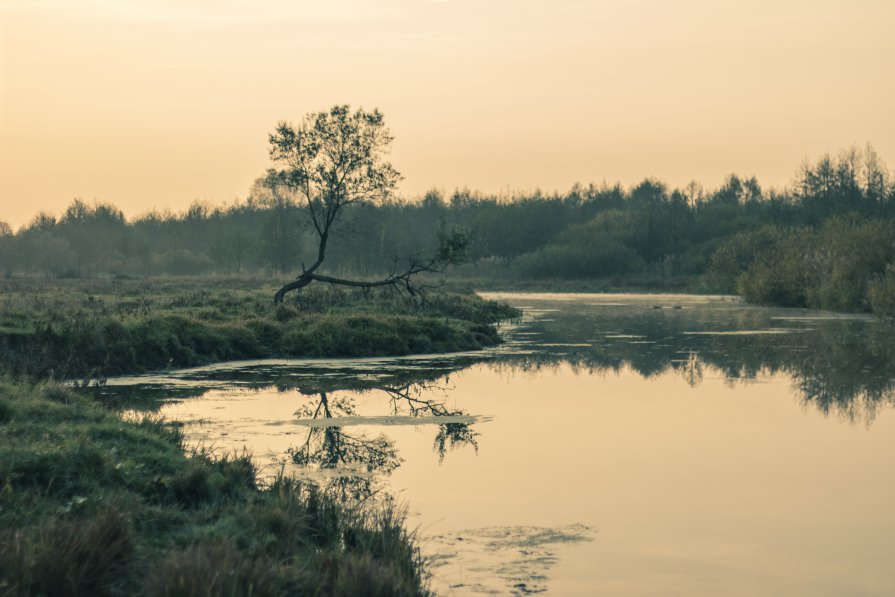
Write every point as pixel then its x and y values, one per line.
pixel 331 160
pixel 335 159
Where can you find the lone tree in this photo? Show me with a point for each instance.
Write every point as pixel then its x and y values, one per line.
pixel 335 159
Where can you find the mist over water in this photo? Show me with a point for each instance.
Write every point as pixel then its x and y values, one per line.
pixel 617 444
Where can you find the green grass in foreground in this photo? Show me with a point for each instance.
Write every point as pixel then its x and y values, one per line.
pixel 82 328
pixel 91 504
pixel 95 504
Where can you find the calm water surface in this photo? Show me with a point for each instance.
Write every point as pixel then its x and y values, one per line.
pixel 615 444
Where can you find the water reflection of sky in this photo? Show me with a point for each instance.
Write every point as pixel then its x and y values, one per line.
pixel 620 444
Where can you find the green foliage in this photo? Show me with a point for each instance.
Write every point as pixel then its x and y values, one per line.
pixel 216 568
pixel 854 181
pixel 453 247
pixel 606 237
pixel 673 232
pixel 82 556
pixel 853 254
pixel 94 329
pixel 738 253
pixel 778 275
pixel 95 505
pixel 881 293
pixel 334 158
pixel 842 266
pixel 181 262
pixel 597 249
pixel 599 260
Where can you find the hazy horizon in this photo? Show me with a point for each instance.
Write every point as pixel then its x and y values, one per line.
pixel 158 104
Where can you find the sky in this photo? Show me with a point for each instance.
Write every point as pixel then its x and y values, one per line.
pixel 156 104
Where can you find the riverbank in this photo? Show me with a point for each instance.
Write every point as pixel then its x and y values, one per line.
pixel 100 504
pixel 96 505
pixel 779 284
pixel 96 328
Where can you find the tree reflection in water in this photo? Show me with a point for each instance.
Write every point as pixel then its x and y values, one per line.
pixel 842 366
pixel 450 435
pixel 354 460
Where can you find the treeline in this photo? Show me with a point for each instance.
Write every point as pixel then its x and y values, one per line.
pixel 825 241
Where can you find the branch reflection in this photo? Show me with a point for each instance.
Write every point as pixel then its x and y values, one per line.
pixel 350 464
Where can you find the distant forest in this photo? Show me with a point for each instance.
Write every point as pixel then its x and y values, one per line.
pixel 826 241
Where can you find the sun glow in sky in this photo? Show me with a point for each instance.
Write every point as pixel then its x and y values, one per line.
pixel 154 104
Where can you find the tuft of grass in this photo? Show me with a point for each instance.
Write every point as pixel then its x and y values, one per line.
pixel 216 568
pixel 93 504
pixel 86 556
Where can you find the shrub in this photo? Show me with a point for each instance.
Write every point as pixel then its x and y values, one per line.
pixel 191 485
pixel 596 259
pixel 881 294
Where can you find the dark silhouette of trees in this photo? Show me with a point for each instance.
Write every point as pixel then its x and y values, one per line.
pixel 7 253
pixel 648 235
pixel 93 235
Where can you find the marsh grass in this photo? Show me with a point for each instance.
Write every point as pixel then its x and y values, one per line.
pixel 92 504
pixel 95 501
pixel 90 329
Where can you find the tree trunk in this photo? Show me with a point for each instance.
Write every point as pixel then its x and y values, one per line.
pixel 394 280
pixel 299 282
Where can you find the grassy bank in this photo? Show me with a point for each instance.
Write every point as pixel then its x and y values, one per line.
pixel 81 328
pixel 92 503
pixel 95 505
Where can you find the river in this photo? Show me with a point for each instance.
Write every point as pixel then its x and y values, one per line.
pixel 614 444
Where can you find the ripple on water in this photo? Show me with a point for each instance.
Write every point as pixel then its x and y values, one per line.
pixel 502 559
pixel 769 332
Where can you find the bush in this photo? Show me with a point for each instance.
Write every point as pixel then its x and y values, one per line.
pixel 833 268
pixel 881 294
pixel 737 254
pixel 596 259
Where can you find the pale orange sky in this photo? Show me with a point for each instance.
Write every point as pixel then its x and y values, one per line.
pixel 158 103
